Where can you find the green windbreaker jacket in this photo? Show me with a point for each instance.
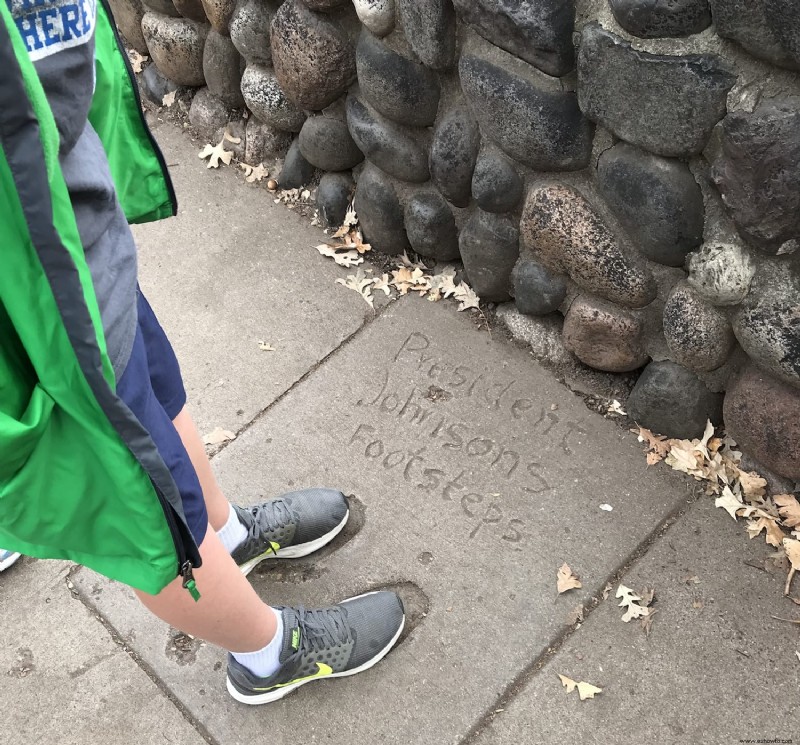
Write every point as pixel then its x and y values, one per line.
pixel 80 478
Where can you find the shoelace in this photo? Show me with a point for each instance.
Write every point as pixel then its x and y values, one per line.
pixel 322 628
pixel 269 517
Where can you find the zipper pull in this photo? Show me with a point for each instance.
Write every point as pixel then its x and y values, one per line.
pixel 188 581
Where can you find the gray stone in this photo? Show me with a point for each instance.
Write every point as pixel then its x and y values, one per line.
pixel 454 150
pixel 538 31
pixel 721 272
pixel 652 19
pixel 430 27
pixel 265 98
pixel 296 171
pixel 758 174
pixel 678 99
pixel 265 142
pixel 326 143
pixel 155 85
pixel 767 324
pixel 537 291
pixel 768 29
pixel 566 234
pixel 496 185
pixel 128 15
pixel 379 212
pixel 541 334
pixel 192 9
pixel 376 15
pixel 489 247
pixel 763 415
pixel 431 226
pixel 165 7
pixel 249 29
pixel 222 69
pixel 541 128
pixel 396 86
pixel 603 335
pixel 656 199
pixel 333 198
pixel 698 335
pixel 390 146
pixel 207 113
pixel 176 46
pixel 672 401
pixel 325 5
pixel 313 56
pixel 219 14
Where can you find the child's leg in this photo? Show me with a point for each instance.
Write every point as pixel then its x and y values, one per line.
pixel 229 613
pixel 217 504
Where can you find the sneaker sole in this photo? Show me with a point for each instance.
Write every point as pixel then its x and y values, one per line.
pixel 270 696
pixel 298 551
pixel 6 563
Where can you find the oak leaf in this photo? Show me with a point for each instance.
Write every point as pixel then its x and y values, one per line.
pixel 216 154
pixel 342 258
pixel 360 283
pixel 753 486
pixel 585 690
pixel 254 173
pixel 789 509
pixel 466 297
pixel 137 60
pixel 350 221
pixel 566 579
pixel 774 535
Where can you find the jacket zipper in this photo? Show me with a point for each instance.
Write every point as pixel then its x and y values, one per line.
pixel 185 566
pixel 135 86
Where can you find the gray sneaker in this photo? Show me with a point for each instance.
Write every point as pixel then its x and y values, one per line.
pixel 290 526
pixel 334 642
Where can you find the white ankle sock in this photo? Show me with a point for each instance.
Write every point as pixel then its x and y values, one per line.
pixel 265 661
pixel 232 533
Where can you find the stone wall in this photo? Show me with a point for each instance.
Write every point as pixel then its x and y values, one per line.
pixel 632 166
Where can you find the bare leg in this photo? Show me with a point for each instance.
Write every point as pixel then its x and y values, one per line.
pixel 216 503
pixel 228 614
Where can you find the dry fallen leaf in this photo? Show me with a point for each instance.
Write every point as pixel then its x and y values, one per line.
pixel 615 407
pixel 342 258
pixel 168 99
pixel 585 690
pixel 729 502
pixel 607 591
pixel 218 436
pixel 630 600
pixel 350 221
pixel 566 580
pixel 773 535
pixel 230 138
pixel 137 60
pixel 361 284
pixel 789 509
pixel 254 173
pixel 382 283
pixel 216 153
pixel 647 621
pixel 753 486
pixel 264 347
pixel 657 445
pixel 466 297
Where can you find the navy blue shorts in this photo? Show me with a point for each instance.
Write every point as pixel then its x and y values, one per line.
pixel 152 388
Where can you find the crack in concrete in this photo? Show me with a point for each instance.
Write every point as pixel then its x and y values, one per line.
pixel 119 640
pixel 529 671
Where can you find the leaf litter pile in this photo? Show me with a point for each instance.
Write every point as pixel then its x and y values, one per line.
pixel 714 460
pixel 407 276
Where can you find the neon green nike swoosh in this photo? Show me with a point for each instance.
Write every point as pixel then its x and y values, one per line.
pixel 322 671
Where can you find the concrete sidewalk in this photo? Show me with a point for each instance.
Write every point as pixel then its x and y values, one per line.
pixel 474 474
